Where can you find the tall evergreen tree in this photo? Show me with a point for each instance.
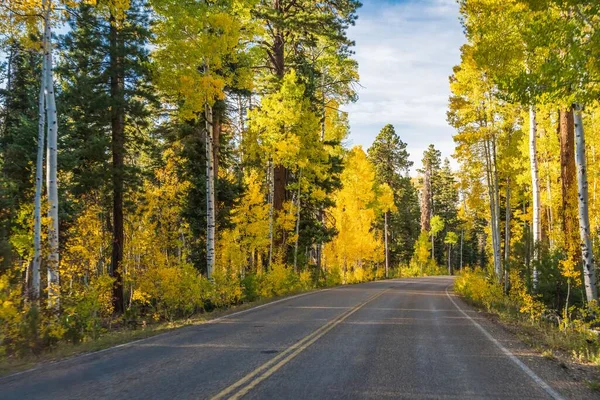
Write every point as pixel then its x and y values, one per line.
pixel 107 99
pixel 391 160
pixel 18 131
pixel 430 166
pixel 446 200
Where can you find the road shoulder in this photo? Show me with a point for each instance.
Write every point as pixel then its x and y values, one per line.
pixel 571 380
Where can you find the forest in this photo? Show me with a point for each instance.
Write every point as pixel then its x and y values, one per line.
pixel 163 158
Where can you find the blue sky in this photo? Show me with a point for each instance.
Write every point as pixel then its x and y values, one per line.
pixel 406 50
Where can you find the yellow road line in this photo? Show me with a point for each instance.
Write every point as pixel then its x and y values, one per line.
pixel 270 367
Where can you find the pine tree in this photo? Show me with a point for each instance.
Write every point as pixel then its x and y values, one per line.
pixel 390 158
pixel 106 119
pixel 17 140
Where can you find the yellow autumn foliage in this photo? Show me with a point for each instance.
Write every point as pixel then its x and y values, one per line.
pixel 484 291
pixel 357 246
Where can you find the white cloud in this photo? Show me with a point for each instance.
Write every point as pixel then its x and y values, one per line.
pixel 406 51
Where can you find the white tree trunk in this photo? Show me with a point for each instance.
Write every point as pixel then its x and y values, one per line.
pixel 39 179
pixel 492 188
pixel 589 275
pixel 51 168
pixel 498 250
pixel 210 194
pixel 535 190
pixel 594 196
pixel 496 235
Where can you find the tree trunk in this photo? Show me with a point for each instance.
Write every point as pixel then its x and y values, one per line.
pixel 39 177
pixel 118 157
pixel 279 181
pixel 498 255
pixel 51 168
pixel 385 233
pixel 568 176
pixel 550 213
pixel 535 190
pixel 280 173
pixel 278 48
pixel 589 275
pixel 492 187
pixel 594 197
pixel 210 193
pixel 482 240
pixel 507 235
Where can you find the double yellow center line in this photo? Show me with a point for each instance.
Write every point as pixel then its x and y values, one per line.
pixel 250 381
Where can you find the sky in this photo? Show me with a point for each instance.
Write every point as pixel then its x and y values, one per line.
pixel 405 50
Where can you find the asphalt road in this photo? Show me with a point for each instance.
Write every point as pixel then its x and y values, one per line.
pixel 389 339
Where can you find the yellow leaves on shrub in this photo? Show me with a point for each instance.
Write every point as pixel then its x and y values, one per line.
pixel 359 274
pixel 86 310
pixel 140 297
pixel 482 291
pixel 278 281
pixel 227 288
pixel 10 315
pixel 101 291
pixel 522 299
pixel 306 280
pixel 177 291
pixel 333 275
pixel 477 288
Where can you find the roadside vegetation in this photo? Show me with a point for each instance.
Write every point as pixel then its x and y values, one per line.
pixel 573 333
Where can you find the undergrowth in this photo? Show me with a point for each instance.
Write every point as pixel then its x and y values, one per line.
pixel 576 335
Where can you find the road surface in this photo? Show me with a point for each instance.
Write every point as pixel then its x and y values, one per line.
pixel 388 339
